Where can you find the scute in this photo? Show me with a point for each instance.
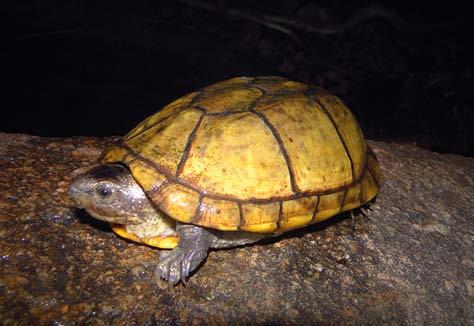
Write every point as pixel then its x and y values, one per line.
pixel 316 167
pixel 164 143
pixel 262 218
pixel 177 201
pixel 163 114
pixel 345 125
pixel 213 212
pixel 232 100
pixel 237 156
pixel 260 154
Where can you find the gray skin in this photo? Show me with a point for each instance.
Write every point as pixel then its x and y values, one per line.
pixel 109 193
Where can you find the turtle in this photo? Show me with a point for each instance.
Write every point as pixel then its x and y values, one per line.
pixel 230 164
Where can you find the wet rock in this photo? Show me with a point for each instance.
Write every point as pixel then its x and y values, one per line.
pixel 409 261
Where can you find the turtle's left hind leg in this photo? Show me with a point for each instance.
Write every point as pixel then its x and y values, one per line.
pixel 177 264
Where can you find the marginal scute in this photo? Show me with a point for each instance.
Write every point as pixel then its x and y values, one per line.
pixel 369 187
pixel 371 179
pixel 146 175
pixel 297 212
pixel 373 165
pixel 237 156
pixel 164 143
pixel 352 198
pixel 177 201
pixel 218 214
pixel 329 205
pixel 260 218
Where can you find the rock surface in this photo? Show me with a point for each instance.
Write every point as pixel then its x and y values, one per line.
pixel 410 261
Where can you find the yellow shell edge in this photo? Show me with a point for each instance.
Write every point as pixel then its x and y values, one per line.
pixel 159 242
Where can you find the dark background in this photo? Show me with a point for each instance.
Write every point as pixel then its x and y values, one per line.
pixel 98 68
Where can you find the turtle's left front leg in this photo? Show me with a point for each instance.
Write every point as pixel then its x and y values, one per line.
pixel 177 264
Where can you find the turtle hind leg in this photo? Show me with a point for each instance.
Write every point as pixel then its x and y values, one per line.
pixel 177 264
pixel 226 239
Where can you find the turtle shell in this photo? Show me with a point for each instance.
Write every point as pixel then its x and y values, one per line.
pixel 261 154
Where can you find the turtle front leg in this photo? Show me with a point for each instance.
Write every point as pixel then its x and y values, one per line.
pixel 177 264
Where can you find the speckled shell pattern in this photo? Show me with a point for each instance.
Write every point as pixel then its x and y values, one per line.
pixel 261 154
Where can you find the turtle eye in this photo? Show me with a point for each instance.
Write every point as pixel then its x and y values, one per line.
pixel 104 191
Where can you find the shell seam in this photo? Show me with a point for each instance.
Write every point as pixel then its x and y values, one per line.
pixel 284 153
pixel 316 209
pixel 336 128
pixel 189 105
pixel 187 148
pixel 200 191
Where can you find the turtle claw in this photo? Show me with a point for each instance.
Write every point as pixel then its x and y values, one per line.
pixel 177 264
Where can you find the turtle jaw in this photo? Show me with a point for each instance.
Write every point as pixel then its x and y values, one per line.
pixel 110 219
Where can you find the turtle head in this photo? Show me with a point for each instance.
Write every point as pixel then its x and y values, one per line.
pixel 109 193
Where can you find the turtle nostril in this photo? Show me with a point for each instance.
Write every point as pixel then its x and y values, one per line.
pixel 74 191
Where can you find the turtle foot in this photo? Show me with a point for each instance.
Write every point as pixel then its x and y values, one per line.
pixel 177 264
